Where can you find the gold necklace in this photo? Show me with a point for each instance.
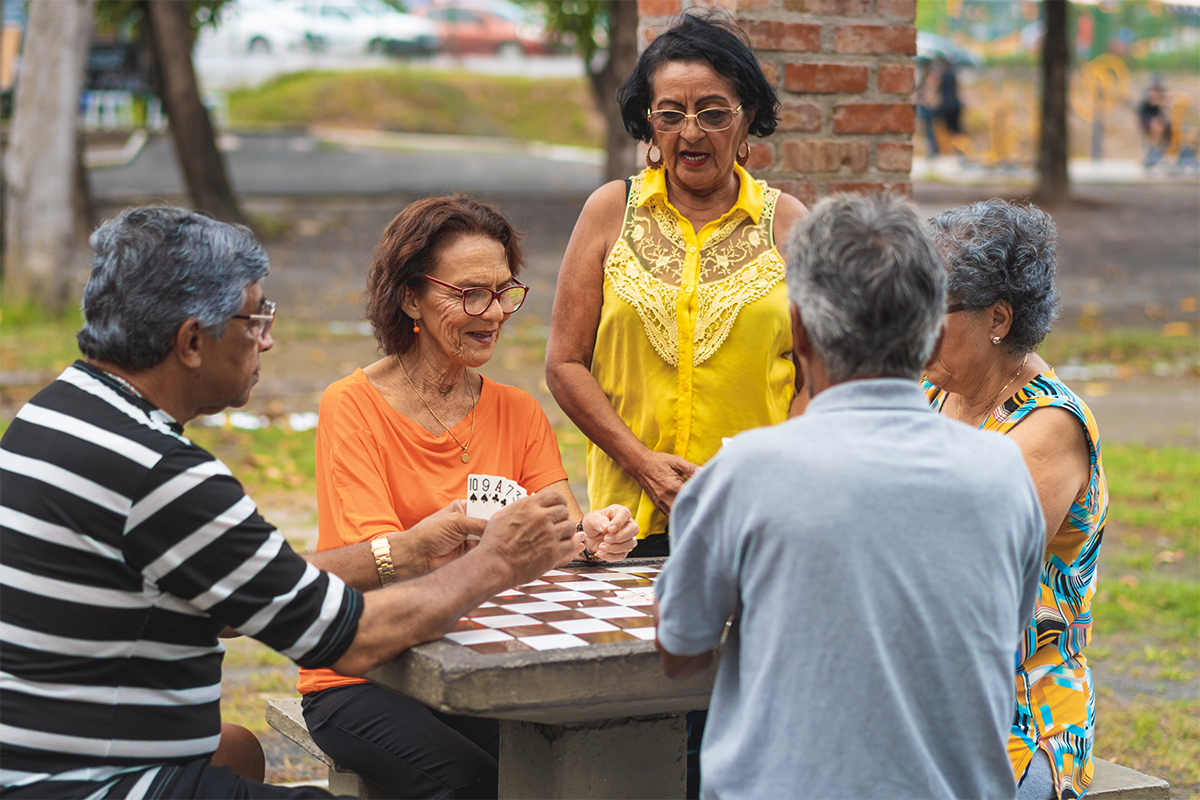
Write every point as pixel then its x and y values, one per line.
pixel 999 394
pixel 465 455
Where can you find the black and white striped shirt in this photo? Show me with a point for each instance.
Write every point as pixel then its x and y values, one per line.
pixel 124 550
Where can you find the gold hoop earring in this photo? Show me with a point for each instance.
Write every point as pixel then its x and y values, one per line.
pixel 742 159
pixel 654 163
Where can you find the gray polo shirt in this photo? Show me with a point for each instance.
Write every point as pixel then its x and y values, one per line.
pixel 879 562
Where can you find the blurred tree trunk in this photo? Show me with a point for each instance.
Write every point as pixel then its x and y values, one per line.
pixel 1053 181
pixel 41 165
pixel 170 47
pixel 622 56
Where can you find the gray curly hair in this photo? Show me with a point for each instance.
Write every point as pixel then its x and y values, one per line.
pixel 995 250
pixel 869 285
pixel 155 267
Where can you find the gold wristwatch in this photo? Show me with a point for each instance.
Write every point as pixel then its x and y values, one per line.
pixel 381 548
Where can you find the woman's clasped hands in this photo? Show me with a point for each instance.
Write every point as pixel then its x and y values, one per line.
pixel 607 533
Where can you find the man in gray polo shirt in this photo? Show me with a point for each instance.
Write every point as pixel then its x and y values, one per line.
pixel 878 561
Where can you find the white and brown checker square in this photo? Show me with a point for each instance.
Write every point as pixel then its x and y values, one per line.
pixel 565 608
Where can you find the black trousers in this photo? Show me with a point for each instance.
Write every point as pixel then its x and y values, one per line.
pixel 408 749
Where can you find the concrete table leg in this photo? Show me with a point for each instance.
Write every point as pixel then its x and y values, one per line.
pixel 616 758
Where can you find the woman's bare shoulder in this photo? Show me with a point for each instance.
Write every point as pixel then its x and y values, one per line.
pixel 606 203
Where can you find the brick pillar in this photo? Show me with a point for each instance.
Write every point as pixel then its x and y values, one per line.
pixel 844 73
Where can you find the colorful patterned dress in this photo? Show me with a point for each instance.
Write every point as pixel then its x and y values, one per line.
pixel 1055 705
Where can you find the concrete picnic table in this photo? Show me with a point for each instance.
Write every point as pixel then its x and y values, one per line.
pixel 589 720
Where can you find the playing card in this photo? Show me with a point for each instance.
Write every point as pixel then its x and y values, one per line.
pixel 483 495
pixel 487 494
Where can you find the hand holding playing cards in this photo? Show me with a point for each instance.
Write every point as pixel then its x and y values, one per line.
pixel 610 532
pixel 662 475
pixel 444 535
pixel 531 536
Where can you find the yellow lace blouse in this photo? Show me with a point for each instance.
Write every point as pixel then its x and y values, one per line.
pixel 694 340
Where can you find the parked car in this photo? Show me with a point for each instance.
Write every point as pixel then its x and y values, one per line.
pixel 344 26
pixel 357 26
pixel 258 26
pixel 473 27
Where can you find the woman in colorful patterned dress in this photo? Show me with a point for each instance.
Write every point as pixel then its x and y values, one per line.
pixel 1000 260
pixel 670 328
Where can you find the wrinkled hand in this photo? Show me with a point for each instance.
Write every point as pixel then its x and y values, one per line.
pixel 442 536
pixel 610 532
pixel 531 536
pixel 662 475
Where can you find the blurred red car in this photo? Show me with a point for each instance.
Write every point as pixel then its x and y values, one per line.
pixel 473 28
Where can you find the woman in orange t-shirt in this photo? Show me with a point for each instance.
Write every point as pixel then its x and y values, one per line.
pixel 395 444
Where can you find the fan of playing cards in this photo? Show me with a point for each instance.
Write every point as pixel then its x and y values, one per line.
pixel 487 494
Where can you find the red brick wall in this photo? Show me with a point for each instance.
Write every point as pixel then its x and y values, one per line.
pixel 844 73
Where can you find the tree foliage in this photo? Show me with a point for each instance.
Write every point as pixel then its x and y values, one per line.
pixel 128 16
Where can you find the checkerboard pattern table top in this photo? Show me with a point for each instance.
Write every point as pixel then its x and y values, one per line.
pixel 570 607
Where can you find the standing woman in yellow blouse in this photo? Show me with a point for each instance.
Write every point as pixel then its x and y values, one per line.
pixel 670 328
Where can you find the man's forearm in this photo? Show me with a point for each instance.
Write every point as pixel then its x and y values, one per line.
pixel 355 564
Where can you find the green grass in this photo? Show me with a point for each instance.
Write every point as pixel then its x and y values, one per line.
pixel 1170 609
pixel 264 460
pixel 560 111
pixel 1137 348
pixel 33 340
pixel 1159 737
pixel 1155 489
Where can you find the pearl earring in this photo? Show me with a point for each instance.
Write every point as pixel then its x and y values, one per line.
pixel 995 340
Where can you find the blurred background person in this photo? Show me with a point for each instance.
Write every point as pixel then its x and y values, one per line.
pixel 928 100
pixel 1000 260
pixel 1154 120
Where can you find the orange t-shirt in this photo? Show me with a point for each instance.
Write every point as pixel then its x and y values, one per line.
pixel 379 472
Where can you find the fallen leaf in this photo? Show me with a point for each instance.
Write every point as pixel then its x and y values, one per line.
pixel 1169 557
pixel 1175 329
pixel 1130 580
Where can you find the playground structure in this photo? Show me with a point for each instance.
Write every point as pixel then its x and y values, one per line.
pixel 1001 116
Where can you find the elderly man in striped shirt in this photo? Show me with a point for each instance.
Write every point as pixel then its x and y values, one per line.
pixel 125 549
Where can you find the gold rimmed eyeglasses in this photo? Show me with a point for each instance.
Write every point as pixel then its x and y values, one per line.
pixel 265 318
pixel 478 299
pixel 711 120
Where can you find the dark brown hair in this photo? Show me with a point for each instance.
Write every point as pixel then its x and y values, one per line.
pixel 408 250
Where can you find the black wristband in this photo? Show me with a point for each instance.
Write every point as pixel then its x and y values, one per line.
pixel 588 555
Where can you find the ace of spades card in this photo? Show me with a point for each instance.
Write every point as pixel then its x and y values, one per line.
pixel 487 494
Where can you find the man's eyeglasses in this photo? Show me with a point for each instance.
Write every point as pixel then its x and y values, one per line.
pixel 710 119
pixel 478 299
pixel 265 318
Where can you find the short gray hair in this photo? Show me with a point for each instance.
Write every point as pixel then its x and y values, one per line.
pixel 155 268
pixel 994 250
pixel 870 287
